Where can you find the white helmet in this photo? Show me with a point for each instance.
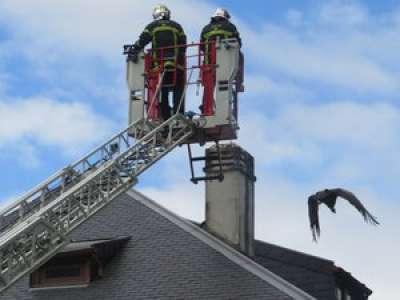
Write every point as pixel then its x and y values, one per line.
pixel 223 13
pixel 160 12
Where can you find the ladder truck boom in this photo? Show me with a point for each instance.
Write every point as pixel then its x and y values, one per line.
pixel 41 231
pixel 56 185
pixel 60 182
pixel 37 225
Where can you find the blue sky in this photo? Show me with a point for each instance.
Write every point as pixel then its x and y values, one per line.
pixel 321 109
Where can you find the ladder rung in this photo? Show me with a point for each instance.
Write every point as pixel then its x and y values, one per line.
pixel 207 178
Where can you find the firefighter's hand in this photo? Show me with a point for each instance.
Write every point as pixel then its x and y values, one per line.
pixel 131 48
pixel 133 53
pixel 128 48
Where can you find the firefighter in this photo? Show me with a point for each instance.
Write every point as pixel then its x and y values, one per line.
pixel 220 27
pixel 164 32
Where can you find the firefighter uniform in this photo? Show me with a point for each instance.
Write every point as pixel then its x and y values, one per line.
pixel 218 28
pixel 167 33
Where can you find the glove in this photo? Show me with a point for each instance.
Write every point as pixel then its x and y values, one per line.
pixel 131 48
pixel 128 48
pixel 133 53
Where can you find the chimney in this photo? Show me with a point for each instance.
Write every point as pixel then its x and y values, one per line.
pixel 230 202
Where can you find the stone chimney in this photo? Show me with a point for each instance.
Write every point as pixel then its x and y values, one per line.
pixel 230 202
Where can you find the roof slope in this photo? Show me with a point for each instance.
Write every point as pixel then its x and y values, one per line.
pixel 166 258
pixel 312 274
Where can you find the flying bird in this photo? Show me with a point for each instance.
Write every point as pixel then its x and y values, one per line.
pixel 328 197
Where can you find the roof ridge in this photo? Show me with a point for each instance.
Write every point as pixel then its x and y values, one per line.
pixel 226 250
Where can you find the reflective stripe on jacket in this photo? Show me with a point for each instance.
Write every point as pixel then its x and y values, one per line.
pixel 164 33
pixel 218 28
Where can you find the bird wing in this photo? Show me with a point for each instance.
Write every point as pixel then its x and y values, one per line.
pixel 349 196
pixel 313 216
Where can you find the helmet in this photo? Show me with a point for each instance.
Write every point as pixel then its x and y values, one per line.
pixel 223 13
pixel 160 12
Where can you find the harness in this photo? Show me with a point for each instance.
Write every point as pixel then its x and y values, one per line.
pixel 215 32
pixel 176 33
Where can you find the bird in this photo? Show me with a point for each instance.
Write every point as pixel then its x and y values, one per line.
pixel 329 197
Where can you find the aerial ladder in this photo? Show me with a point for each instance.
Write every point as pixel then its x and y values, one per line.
pixel 36 226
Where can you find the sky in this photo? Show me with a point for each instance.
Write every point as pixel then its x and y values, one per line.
pixel 321 109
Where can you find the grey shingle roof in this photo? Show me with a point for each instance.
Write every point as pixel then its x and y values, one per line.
pixel 311 274
pixel 160 261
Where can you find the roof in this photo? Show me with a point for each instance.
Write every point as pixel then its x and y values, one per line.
pixel 237 257
pixel 358 289
pixel 312 274
pixel 167 257
pixel 317 276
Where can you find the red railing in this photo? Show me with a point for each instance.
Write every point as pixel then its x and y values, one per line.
pixel 158 65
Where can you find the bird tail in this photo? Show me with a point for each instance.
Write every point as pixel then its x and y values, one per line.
pixel 316 232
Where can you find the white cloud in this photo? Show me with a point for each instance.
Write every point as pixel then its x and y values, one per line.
pixel 84 56
pixel 69 126
pixel 258 137
pixel 345 121
pixel 98 28
pixel 309 135
pixel 330 60
pixel 261 88
pixel 333 53
pixel 344 13
pixel 180 198
pixel 321 51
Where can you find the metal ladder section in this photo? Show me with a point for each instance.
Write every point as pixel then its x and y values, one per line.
pixel 35 227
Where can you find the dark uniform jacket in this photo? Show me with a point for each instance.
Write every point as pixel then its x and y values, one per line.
pixel 164 33
pixel 219 28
